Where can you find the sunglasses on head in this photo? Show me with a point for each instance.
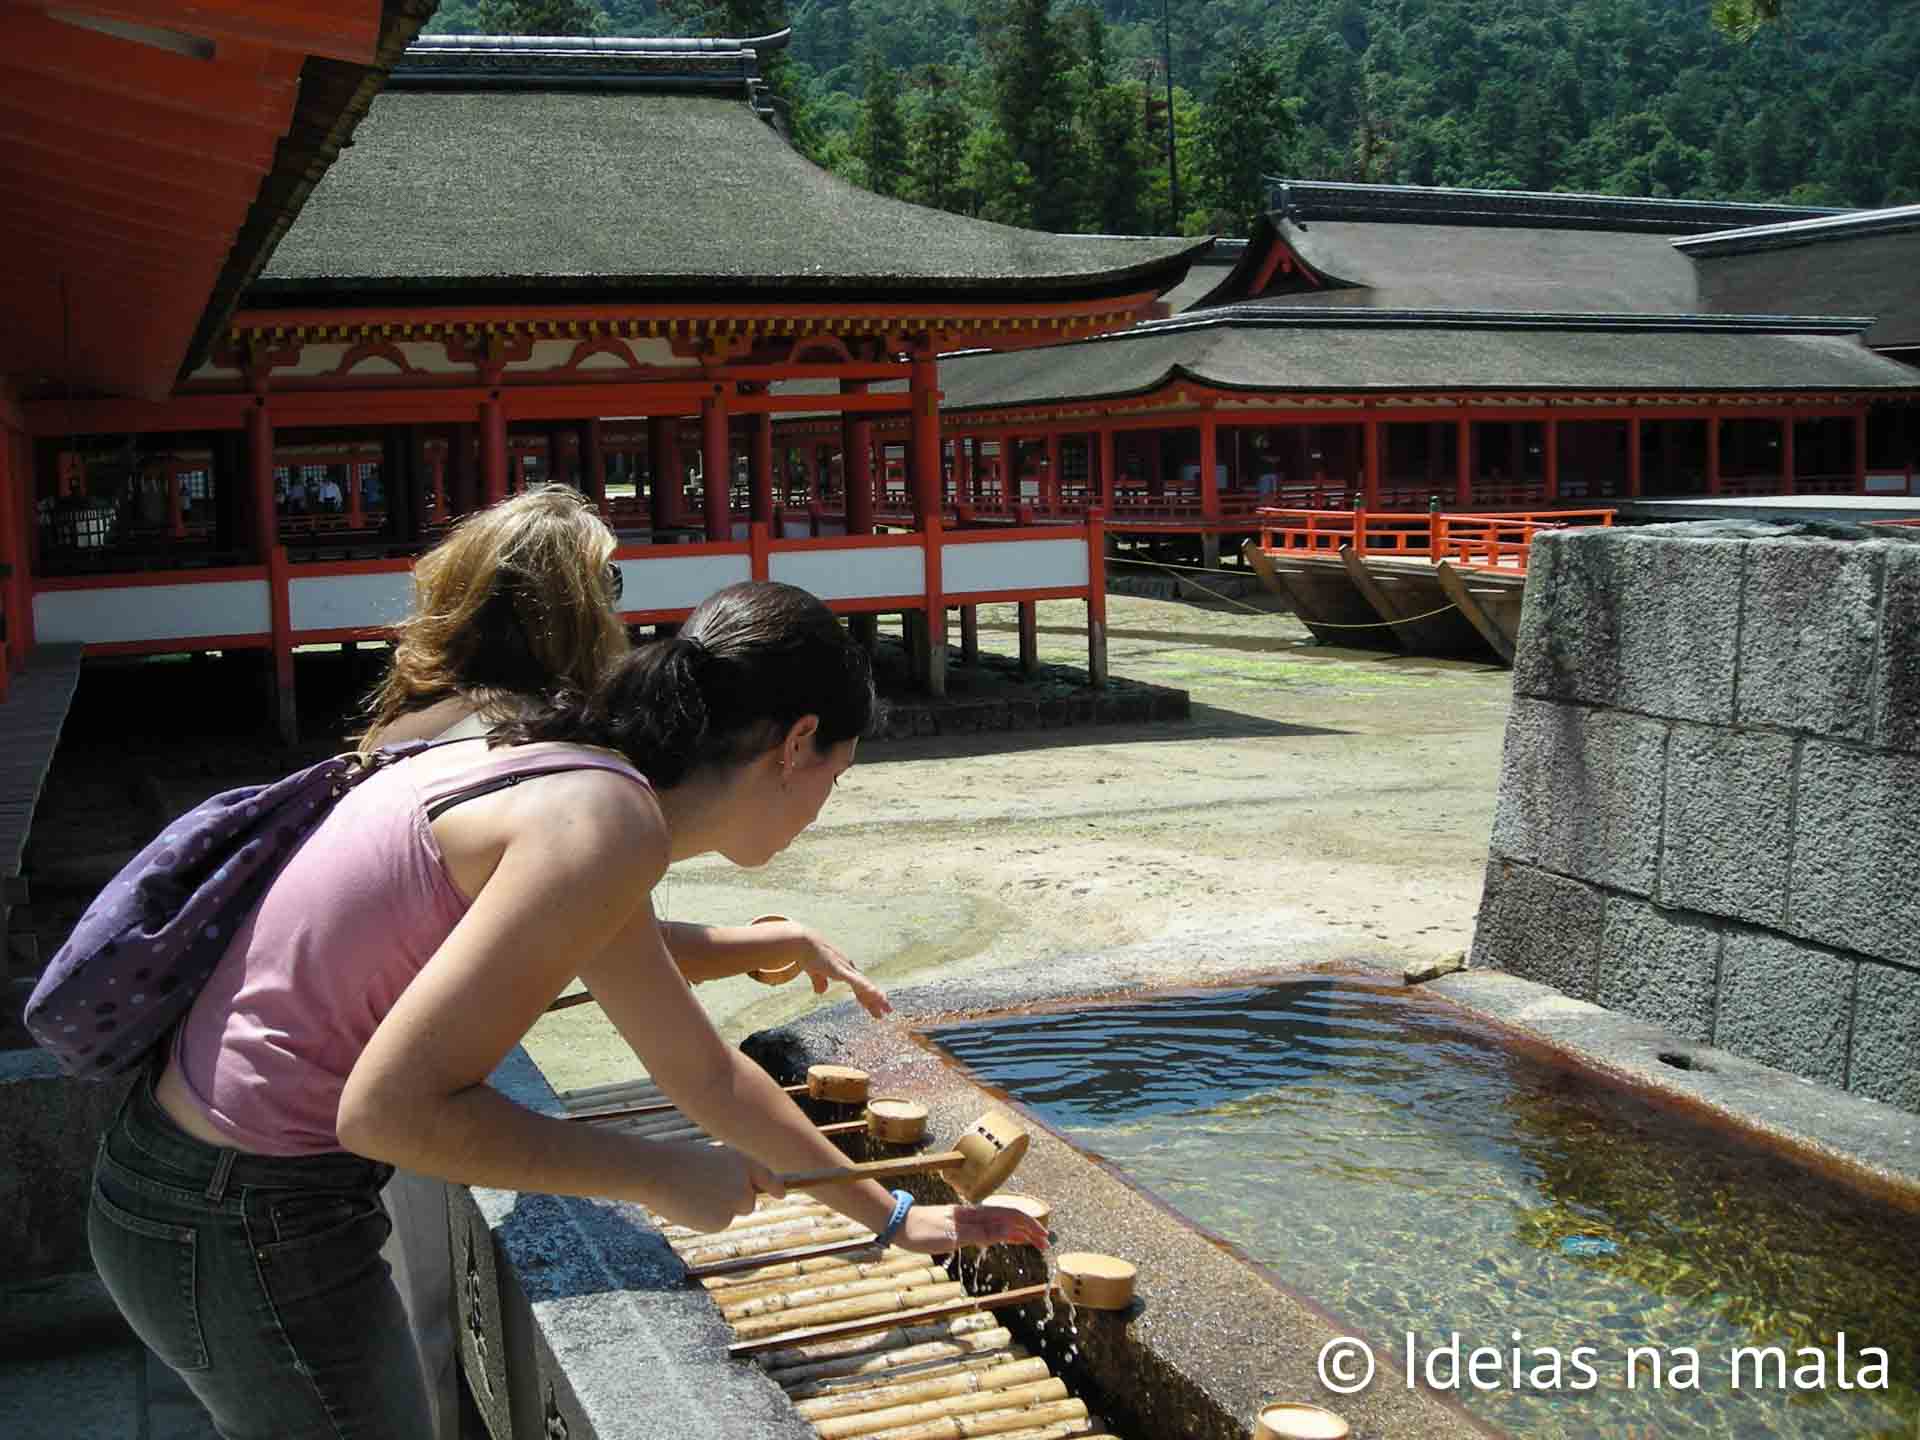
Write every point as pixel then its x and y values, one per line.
pixel 616 581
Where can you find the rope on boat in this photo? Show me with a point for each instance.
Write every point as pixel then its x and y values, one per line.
pixel 1316 624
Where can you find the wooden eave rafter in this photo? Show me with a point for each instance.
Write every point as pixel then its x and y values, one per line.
pixel 722 337
pixel 338 32
pixel 137 137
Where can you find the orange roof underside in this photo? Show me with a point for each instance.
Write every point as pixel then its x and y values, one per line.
pixel 128 163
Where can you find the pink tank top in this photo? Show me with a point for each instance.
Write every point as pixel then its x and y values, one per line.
pixel 345 926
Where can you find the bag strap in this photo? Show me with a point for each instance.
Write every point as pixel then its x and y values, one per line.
pixel 437 808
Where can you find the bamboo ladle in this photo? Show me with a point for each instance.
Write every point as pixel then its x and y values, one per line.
pixel 981 1160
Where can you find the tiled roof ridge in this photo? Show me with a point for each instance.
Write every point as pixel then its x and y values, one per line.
pixel 1309 200
pixel 566 62
pixel 1253 314
pixel 1849 225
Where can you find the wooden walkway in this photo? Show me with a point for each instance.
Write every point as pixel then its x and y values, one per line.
pixel 30 720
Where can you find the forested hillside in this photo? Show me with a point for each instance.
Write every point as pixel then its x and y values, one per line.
pixel 1055 115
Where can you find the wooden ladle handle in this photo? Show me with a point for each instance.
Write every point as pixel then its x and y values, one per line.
pixel 874 1169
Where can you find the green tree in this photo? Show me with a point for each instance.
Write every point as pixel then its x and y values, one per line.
pixel 1244 133
pixel 881 139
pixel 537 17
pixel 995 182
pixel 937 141
pixel 1027 51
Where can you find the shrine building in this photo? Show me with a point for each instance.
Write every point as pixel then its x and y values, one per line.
pixel 1405 349
pixel 589 261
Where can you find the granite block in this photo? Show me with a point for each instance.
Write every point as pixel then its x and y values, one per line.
pixel 1785 1004
pixel 1727 843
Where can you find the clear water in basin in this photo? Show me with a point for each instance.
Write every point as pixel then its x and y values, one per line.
pixel 1390 1157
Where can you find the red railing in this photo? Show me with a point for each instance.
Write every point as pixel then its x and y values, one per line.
pixel 1488 541
pixel 1500 542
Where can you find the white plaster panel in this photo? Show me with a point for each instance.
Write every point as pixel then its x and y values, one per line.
pixel 547 355
pixel 320 357
pixel 431 356
pixel 666 582
pixel 1013 565
pixel 349 602
pixel 152 612
pixel 853 574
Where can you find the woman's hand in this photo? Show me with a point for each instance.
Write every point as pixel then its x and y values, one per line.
pixel 823 964
pixel 712 1185
pixel 942 1229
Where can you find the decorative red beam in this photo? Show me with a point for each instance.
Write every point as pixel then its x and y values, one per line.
pixel 766 318
pixel 242 83
pixel 168 155
pixel 17 196
pixel 28 102
pixel 337 29
pixel 898 401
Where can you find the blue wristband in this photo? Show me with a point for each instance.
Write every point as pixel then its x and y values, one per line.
pixel 902 1202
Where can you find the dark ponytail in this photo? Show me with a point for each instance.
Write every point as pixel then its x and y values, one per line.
pixel 748 663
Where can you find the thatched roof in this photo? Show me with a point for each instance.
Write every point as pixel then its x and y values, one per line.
pixel 1257 349
pixel 1403 247
pixel 637 172
pixel 1864 263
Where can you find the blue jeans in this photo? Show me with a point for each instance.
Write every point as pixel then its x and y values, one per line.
pixel 258 1279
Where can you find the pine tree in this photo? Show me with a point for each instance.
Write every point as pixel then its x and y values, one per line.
pixel 937 141
pixel 1244 134
pixel 1028 55
pixel 537 17
pixel 881 139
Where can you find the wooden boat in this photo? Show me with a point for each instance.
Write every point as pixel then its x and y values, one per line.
pixel 1399 603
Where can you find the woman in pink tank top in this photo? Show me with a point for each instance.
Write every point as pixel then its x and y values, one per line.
pixel 406 948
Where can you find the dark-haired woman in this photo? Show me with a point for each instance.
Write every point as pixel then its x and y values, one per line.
pixel 518 603
pixel 398 956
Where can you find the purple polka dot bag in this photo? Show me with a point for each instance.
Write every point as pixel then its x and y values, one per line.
pixel 140 954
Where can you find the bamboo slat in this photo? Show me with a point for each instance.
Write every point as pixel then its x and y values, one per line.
pixel 808 1295
pixel 894 1371
pixel 990 1422
pixel 817 1357
pixel 1011 1401
pixel 859 1307
pixel 828 1274
pixel 1002 1377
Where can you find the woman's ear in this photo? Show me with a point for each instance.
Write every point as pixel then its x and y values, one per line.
pixel 799 736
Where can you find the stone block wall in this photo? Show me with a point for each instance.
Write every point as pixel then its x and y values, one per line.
pixel 1709 810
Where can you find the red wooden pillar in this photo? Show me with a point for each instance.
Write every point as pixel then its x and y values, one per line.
pixel 1635 452
pixel 1860 451
pixel 1370 444
pixel 1107 463
pixel 1050 480
pixel 663 461
pixel 856 464
pixel 1209 466
pixel 356 516
pixel 923 438
pixel 760 481
pixel 1713 453
pixel 272 555
pixel 493 448
pixel 924 462
pixel 963 470
pixel 716 466
pixel 1550 457
pixel 1156 475
pixel 1516 453
pixel 593 463
pixel 1463 463
pixel 1787 463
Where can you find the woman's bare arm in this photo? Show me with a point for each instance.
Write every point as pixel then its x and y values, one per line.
pixel 581 852
pixel 713 952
